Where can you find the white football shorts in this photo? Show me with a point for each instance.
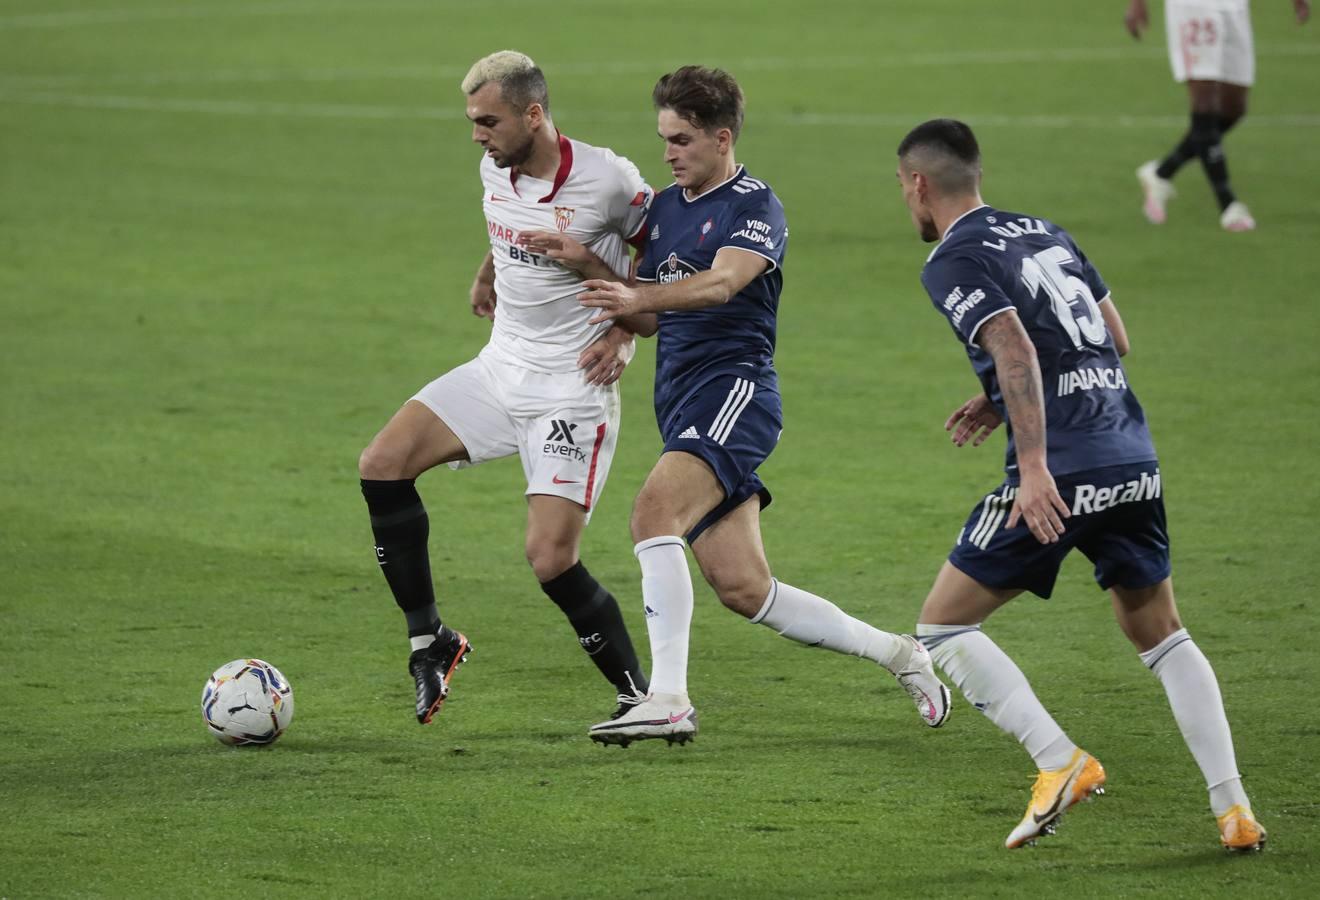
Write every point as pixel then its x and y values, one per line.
pixel 1207 43
pixel 562 428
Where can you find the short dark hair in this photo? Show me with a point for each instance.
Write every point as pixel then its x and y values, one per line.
pixel 950 147
pixel 708 98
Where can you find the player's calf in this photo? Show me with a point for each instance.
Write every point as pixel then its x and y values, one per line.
pixel 595 617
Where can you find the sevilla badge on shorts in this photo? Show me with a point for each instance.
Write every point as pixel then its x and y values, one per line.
pixel 563 217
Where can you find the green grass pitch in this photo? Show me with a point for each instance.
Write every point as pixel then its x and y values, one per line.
pixel 235 236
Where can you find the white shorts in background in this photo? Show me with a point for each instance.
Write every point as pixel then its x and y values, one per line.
pixel 562 428
pixel 1210 43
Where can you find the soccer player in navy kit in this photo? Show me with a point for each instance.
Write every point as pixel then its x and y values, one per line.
pixel 715 247
pixel 1044 338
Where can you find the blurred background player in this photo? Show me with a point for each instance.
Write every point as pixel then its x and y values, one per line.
pixel 542 388
pixel 715 247
pixel 1210 48
pixel 1021 297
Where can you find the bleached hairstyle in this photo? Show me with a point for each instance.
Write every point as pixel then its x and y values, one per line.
pixel 521 81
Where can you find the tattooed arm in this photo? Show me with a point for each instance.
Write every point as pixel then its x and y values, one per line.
pixel 1038 503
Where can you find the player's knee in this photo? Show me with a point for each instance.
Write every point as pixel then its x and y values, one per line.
pixel 745 597
pixel 640 526
pixel 379 463
pixel 741 588
pixel 651 516
pixel 1206 130
pixel 549 558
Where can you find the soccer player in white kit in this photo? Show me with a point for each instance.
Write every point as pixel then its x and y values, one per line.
pixel 557 211
pixel 1210 50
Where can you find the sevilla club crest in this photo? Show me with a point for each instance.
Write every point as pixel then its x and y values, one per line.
pixel 563 217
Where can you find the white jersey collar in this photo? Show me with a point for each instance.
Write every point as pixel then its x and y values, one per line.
pixel 561 175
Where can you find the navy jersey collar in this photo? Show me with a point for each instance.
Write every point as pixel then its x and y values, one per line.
pixel 952 225
pixel 738 173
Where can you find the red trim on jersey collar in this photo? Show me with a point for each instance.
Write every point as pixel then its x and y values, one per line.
pixel 565 166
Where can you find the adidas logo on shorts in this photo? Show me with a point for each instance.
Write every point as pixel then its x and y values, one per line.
pixel 690 434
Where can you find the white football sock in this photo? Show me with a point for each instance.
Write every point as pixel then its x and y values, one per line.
pixel 803 617
pixel 993 683
pixel 667 594
pixel 1199 710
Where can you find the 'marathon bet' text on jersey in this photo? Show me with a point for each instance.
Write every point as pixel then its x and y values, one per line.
pixel 991 261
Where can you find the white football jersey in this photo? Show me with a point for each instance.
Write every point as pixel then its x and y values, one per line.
pixel 597 198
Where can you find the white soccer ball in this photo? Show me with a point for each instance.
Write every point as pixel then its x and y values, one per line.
pixel 247 701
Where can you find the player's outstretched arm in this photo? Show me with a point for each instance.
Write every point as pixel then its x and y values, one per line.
pixel 1038 502
pixel 568 252
pixel 641 324
pixel 732 271
pixel 482 295
pixel 1137 19
pixel 1114 322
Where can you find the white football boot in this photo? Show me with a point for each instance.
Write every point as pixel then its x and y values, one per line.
pixel 917 676
pixel 1237 217
pixel 1159 191
pixel 668 716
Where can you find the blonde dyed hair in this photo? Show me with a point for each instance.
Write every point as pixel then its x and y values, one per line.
pixel 521 81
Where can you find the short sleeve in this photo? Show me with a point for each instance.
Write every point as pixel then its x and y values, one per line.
pixel 757 224
pixel 646 267
pixel 965 291
pixel 1099 290
pixel 630 202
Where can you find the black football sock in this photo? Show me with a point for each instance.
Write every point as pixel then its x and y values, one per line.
pixel 401 527
pixel 594 614
pixel 1177 158
pixel 1210 148
pixel 1179 155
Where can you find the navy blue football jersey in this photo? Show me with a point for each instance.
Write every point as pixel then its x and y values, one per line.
pixel 695 346
pixel 991 261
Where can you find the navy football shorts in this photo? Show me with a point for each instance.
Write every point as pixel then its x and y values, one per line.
pixel 731 423
pixel 1117 522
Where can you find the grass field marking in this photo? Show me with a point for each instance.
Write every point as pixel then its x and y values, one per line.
pixel 449 114
pixel 626 67
pixel 80 17
pixel 237 107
